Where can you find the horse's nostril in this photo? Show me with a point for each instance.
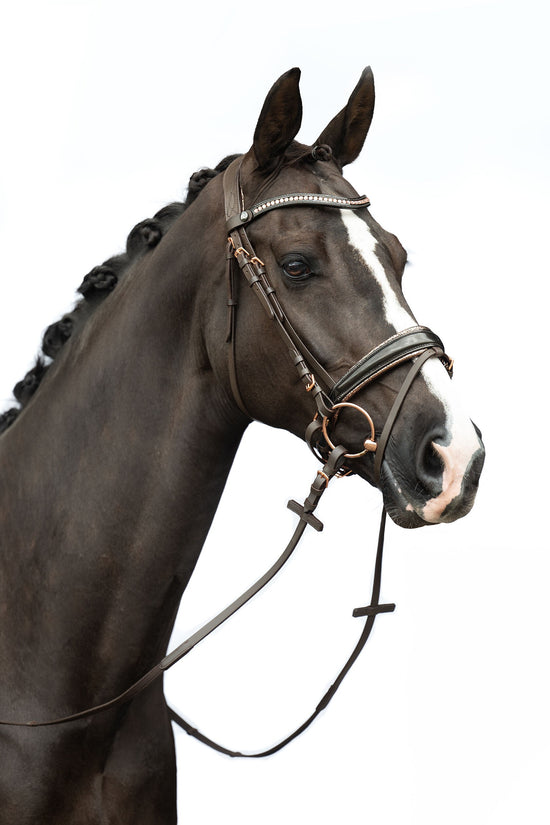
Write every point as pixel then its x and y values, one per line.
pixel 430 464
pixel 433 463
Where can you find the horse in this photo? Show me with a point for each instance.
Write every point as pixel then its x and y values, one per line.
pixel 117 456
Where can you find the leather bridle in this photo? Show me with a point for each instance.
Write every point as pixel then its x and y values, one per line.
pixel 330 396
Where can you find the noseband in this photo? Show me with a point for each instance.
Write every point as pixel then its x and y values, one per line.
pixel 331 396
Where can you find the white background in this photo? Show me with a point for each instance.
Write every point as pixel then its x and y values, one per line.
pixel 107 108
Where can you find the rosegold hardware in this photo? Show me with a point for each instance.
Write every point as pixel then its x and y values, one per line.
pixel 323 475
pixel 252 259
pixel 369 444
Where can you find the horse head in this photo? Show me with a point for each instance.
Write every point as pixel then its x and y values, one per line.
pixel 334 277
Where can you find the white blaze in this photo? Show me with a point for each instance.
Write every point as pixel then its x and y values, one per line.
pixel 365 244
pixel 463 441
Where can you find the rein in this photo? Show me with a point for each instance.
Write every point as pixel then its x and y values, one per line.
pixel 331 396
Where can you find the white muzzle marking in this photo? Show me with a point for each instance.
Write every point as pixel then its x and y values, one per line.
pixel 463 442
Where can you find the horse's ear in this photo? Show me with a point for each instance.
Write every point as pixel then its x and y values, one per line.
pixel 279 120
pixel 346 133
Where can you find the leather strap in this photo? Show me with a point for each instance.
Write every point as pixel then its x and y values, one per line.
pixel 394 351
pixel 310 370
pixel 231 336
pixel 244 216
pixel 318 487
pixel 371 612
pixel 397 404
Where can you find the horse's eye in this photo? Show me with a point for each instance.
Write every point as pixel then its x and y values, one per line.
pixel 297 269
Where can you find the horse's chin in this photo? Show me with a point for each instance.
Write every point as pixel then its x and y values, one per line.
pixel 401 512
pixel 407 512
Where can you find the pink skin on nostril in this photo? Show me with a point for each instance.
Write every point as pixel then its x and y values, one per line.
pixel 455 463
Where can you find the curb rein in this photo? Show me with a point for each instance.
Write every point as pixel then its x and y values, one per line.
pixel 418 343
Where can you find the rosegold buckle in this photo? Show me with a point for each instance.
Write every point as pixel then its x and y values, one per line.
pixel 324 476
pixel 252 259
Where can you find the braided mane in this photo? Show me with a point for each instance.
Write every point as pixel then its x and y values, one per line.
pixel 99 283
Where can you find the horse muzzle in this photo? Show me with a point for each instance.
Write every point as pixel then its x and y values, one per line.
pixel 426 461
pixel 437 483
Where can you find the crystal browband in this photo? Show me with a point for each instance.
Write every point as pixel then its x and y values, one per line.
pixel 295 199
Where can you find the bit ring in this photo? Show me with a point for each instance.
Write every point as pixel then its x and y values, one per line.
pixel 369 444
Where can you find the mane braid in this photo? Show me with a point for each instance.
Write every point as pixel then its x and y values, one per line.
pixel 100 282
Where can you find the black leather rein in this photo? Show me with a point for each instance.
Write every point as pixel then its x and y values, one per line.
pixel 416 344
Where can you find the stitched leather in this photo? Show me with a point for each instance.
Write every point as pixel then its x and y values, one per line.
pixel 397 349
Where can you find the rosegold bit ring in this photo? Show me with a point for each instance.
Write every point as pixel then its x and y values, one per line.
pixel 369 444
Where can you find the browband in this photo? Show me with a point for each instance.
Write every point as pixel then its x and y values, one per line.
pixel 294 199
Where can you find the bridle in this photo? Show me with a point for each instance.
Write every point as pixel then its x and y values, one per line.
pixel 331 396
pixel 416 344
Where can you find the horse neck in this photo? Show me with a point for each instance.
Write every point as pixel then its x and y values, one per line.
pixel 119 462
